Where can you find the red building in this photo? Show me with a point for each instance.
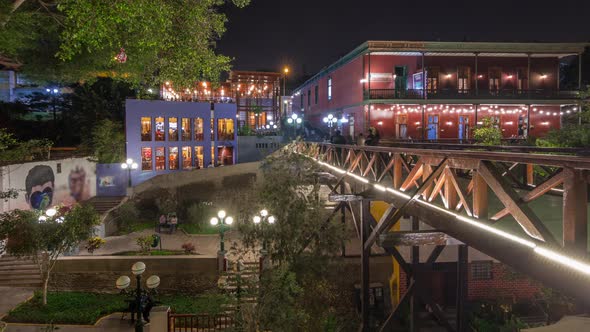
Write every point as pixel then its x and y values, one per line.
pixel 441 90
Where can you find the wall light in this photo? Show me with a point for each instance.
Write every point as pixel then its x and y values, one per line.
pixel 448 75
pixel 480 76
pixel 543 76
pixel 509 123
pixel 509 76
pixel 449 123
pixel 417 123
pixel 380 123
pixel 546 123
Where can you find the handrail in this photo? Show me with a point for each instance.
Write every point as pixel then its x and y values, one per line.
pixel 577 162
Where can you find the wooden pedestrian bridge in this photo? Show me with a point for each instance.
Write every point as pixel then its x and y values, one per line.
pixel 451 190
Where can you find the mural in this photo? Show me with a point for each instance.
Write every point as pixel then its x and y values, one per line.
pixel 49 183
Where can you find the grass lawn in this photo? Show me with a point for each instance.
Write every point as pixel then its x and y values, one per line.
pixel 195 229
pixel 87 308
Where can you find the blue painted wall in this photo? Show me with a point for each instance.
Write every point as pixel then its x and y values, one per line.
pixel 136 109
pixel 111 180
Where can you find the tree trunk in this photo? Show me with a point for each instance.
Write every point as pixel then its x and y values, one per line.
pixel 45 286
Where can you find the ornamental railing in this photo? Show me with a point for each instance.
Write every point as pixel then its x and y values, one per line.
pixel 452 93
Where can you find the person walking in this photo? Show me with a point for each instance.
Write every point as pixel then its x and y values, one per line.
pixel 360 139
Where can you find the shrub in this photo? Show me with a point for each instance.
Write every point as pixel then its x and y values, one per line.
pixel 188 248
pixel 145 243
pixel 197 214
pixel 95 243
pixel 127 214
pixel 166 203
pixel 568 136
pixel 488 133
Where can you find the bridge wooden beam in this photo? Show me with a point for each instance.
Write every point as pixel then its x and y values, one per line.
pixel 480 196
pixel 575 211
pixel 523 214
pixel 537 192
pixel 412 238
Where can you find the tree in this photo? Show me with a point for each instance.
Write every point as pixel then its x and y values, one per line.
pixel 45 240
pixel 488 133
pixel 76 40
pixel 108 142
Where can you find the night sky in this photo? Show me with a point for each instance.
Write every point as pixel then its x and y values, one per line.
pixel 308 35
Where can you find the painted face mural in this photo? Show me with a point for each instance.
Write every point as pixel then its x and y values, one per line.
pixel 39 185
pixel 77 181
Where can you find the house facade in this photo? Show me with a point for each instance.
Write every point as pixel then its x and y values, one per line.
pixel 171 136
pixel 442 90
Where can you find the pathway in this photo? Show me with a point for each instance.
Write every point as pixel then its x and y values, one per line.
pixel 111 323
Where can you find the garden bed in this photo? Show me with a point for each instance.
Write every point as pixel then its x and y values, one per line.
pixel 198 229
pixel 88 308
pixel 155 252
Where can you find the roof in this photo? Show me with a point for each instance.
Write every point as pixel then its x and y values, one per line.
pixel 257 76
pixel 437 48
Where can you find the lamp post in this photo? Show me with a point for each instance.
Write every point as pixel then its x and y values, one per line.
pixel 294 120
pixel 330 120
pixel 261 220
pixel 221 220
pixel 129 165
pixel 285 72
pixel 151 283
pixel 53 92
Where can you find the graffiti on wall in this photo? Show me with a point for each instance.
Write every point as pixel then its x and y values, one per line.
pixel 49 183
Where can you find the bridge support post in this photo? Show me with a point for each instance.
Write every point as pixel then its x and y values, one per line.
pixel 480 196
pixel 415 257
pixel 575 212
pixel 365 230
pixel 462 263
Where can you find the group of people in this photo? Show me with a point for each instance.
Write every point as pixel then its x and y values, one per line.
pixel 371 139
pixel 170 221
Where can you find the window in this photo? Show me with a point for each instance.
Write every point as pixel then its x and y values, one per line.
pixel 225 129
pixel 199 129
pixel 146 159
pixel 160 159
pixel 481 270
pixel 173 129
pixel 199 163
pixel 186 129
pixel 173 158
pixel 187 157
pixel 146 129
pixel 301 103
pixel 463 79
pixel 432 80
pixel 495 74
pixel 225 155
pixel 309 97
pixel 317 89
pixel 329 89
pixel 160 134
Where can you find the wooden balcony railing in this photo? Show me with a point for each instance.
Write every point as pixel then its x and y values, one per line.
pixel 469 94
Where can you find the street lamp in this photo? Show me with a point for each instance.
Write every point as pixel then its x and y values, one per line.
pixel 294 120
pixel 221 220
pixel 53 92
pixel 330 120
pixel 151 284
pixel 129 165
pixel 285 71
pixel 262 219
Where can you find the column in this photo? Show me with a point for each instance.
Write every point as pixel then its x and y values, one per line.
pixel 462 287
pixel 528 74
pixel 365 231
pixel 480 197
pixel 424 80
pixel 476 76
pixel 575 212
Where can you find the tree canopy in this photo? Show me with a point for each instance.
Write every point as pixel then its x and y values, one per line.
pixel 76 40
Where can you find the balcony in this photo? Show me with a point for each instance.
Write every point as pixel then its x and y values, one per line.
pixel 470 94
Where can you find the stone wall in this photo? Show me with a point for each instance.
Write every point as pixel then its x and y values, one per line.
pixel 254 148
pixel 186 274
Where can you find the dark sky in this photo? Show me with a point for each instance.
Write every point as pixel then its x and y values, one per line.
pixel 310 34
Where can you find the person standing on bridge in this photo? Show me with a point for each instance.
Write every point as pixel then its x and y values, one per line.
pixel 373 137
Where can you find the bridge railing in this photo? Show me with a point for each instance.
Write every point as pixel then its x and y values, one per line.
pixel 460 180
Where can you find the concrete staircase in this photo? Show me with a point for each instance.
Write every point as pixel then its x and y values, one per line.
pixel 19 272
pixel 104 204
pixel 247 278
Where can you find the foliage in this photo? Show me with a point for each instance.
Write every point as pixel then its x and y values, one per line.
pixel 95 243
pixel 79 39
pixel 87 308
pixel 11 193
pixel 127 214
pixel 145 243
pixel 108 142
pixel 188 248
pixel 12 149
pixel 495 317
pixel 194 229
pixel 46 240
pixel 197 215
pixel 568 136
pixel 245 131
pixel 556 304
pixel 487 133
pixel 7 139
pixel 166 203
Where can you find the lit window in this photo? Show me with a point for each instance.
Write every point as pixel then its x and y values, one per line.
pixel 463 79
pixel 225 129
pixel 481 270
pixel 160 134
pixel 173 158
pixel 329 88
pixel 225 155
pixel 186 129
pixel 160 159
pixel 187 158
pixel 173 129
pixel 146 129
pixel 146 159
pixel 199 163
pixel 199 129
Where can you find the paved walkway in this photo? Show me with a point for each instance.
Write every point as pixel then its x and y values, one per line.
pixel 10 297
pixel 112 323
